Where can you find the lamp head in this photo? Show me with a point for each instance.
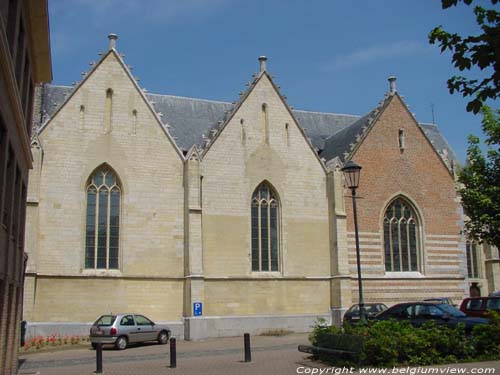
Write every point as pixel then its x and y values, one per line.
pixel 351 173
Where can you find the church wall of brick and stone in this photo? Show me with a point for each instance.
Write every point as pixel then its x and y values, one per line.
pixel 187 187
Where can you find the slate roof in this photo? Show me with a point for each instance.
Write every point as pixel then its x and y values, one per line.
pixel 342 142
pixel 52 98
pixel 319 126
pixel 440 144
pixel 190 121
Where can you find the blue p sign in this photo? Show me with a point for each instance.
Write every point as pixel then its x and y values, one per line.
pixel 197 308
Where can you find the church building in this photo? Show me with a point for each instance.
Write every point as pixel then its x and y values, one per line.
pixel 223 218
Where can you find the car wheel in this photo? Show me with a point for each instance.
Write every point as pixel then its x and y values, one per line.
pixel 163 337
pixel 121 343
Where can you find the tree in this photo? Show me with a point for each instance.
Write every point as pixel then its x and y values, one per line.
pixel 481 182
pixel 482 51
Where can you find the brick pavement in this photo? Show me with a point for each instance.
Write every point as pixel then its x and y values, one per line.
pixel 270 355
pixel 276 355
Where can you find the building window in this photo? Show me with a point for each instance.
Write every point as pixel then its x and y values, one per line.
pixel 401 237
pixel 103 220
pixel 401 139
pixel 82 117
pixel 471 248
pixel 134 119
pixel 108 110
pixel 265 229
pixel 265 123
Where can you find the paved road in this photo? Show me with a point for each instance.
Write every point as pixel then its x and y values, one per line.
pixel 270 355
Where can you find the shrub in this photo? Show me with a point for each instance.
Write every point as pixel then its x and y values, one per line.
pixel 395 343
pixel 486 338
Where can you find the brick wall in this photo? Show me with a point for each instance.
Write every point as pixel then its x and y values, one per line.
pixel 418 174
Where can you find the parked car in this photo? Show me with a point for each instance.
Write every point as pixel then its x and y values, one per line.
pixel 446 300
pixel 123 329
pixel 495 293
pixel 372 309
pixel 417 313
pixel 478 306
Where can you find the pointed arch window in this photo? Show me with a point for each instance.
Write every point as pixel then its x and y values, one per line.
pixel 472 259
pixel 265 229
pixel 103 220
pixel 401 238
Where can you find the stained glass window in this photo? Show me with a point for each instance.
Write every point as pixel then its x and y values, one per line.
pixel 401 240
pixel 472 259
pixel 103 220
pixel 265 213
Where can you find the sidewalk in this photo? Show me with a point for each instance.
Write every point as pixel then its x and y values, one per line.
pixel 270 355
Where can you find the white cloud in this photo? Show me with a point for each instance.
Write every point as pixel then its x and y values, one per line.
pixel 375 53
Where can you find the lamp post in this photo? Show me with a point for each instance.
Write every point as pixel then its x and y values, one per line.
pixel 351 173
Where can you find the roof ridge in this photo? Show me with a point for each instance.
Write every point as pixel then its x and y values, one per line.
pixel 326 113
pixel 188 97
pixel 428 124
pixel 65 86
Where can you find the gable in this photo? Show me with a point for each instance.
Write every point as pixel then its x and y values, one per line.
pixel 397 141
pixel 84 108
pixel 262 119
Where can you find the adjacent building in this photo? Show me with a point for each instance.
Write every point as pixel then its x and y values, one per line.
pixel 222 218
pixel 24 62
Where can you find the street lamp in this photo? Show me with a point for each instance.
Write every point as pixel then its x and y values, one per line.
pixel 351 173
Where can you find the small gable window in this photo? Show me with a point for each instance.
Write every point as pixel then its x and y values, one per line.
pixel 265 229
pixel 103 220
pixel 134 124
pixel 108 110
pixel 401 139
pixel 401 237
pixel 265 123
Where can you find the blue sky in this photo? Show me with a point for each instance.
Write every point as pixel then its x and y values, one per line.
pixel 327 55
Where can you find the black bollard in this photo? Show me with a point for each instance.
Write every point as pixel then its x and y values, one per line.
pixel 248 354
pixel 98 358
pixel 23 333
pixel 173 353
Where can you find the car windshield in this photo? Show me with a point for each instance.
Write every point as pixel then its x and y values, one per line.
pixel 452 311
pixel 354 309
pixel 105 320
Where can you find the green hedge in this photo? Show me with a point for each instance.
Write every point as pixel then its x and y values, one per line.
pixel 395 343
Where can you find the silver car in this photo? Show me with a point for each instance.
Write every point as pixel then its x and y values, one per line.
pixel 123 329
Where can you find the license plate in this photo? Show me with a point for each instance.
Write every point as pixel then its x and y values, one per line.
pixel 99 332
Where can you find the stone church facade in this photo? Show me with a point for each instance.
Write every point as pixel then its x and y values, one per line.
pixel 223 218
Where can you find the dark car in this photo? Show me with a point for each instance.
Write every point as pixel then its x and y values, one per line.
pixel 440 300
pixel 417 313
pixel 372 309
pixel 478 306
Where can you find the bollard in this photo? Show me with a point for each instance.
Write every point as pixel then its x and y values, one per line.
pixel 248 354
pixel 23 333
pixel 173 353
pixel 98 358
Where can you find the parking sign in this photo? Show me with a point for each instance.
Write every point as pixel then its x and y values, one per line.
pixel 197 308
